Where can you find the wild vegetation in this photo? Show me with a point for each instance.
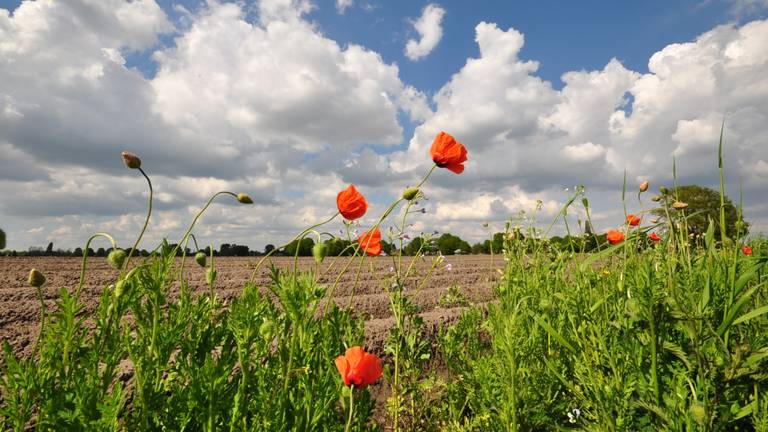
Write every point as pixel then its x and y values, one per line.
pixel 660 328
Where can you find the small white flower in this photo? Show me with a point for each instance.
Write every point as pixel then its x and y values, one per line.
pixel 391 269
pixel 449 266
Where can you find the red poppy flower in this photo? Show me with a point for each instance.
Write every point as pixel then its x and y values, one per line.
pixel 746 250
pixel 614 237
pixel 351 203
pixel 654 237
pixel 448 153
pixel 370 242
pixel 633 220
pixel 358 367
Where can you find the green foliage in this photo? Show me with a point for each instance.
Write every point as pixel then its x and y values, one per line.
pixel 304 246
pixel 2 239
pixel 449 244
pixel 703 206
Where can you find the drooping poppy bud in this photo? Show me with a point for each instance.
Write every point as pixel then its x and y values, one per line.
pixel 448 153
pixel 267 330
pixel 116 258
pixel 656 198
pixel 319 251
pixel 370 242
pixel 244 199
pixel 410 193
pixel 119 288
pixel 654 237
pixel 746 250
pixel 358 367
pixel 644 186
pixel 131 160
pixel 679 205
pixel 36 279
pixel 200 258
pixel 614 237
pixel 351 203
pixel 633 220
pixel 663 190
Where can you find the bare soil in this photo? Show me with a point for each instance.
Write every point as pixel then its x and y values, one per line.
pixel 20 307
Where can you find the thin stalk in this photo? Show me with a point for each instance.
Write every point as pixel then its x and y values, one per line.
pixel 351 407
pixel 146 222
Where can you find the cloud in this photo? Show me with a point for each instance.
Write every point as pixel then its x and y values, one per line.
pixel 429 28
pixel 343 5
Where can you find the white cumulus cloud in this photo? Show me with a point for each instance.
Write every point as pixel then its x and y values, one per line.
pixel 430 30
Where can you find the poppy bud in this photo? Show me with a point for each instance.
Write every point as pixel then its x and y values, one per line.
pixel 131 160
pixel 663 190
pixel 318 251
pixel 244 199
pixel 36 279
pixel 200 258
pixel 410 193
pixel 585 202
pixel 656 198
pixel 210 275
pixel 655 221
pixel 116 258
pixel 698 412
pixel 267 329
pixel 679 205
pixel 644 186
pixel 119 288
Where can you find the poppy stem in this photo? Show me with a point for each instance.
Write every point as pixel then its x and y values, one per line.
pixel 351 407
pixel 146 222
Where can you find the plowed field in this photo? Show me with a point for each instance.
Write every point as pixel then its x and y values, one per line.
pixel 19 306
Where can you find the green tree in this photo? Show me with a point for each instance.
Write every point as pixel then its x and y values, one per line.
pixel 2 239
pixel 449 244
pixel 703 205
pixel 305 248
pixel 412 248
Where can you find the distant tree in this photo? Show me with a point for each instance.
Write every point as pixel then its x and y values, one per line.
pixel 703 205
pixel 269 248
pixel 477 248
pixel 101 252
pixel 224 250
pixel 78 252
pixel 305 248
pixel 413 247
pixel 49 249
pixel 448 244
pixel 2 239
pixel 339 246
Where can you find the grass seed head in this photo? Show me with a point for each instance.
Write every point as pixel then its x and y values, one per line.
pixel 36 279
pixel 131 160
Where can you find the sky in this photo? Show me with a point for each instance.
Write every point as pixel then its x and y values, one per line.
pixel 290 101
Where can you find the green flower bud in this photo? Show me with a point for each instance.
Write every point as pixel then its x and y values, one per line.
pixel 36 279
pixel 267 329
pixel 200 258
pixel 698 412
pixel 319 251
pixel 131 160
pixel 210 275
pixel 116 258
pixel 244 199
pixel 410 193
pixel 585 202
pixel 119 288
pixel 663 190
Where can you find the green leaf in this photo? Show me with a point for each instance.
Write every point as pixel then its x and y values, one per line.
pixel 549 329
pixel 749 315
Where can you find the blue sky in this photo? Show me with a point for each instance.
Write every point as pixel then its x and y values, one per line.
pixel 274 97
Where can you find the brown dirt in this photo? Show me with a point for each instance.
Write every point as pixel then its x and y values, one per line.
pixel 20 307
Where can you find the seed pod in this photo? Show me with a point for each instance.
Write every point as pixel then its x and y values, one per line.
pixel 267 329
pixel 200 258
pixel 131 160
pixel 410 193
pixel 644 186
pixel 656 198
pixel 210 275
pixel 319 251
pixel 679 205
pixel 244 199
pixel 116 258
pixel 36 279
